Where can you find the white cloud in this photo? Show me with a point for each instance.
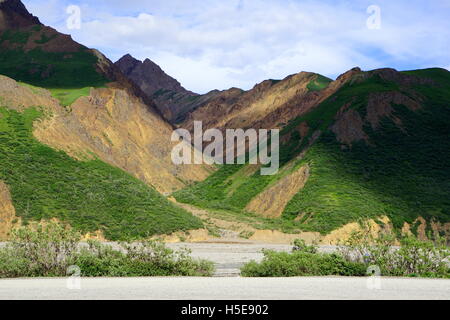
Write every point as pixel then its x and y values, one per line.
pixel 212 44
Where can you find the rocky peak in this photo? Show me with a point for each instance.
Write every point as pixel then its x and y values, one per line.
pixel 127 63
pixel 148 75
pixel 14 15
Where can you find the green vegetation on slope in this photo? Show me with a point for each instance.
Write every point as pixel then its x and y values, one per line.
pixel 68 75
pixel 319 83
pixel 404 172
pixel 92 195
pixel 400 175
pixel 68 96
pixel 65 96
pixel 51 69
pixel 322 116
pixel 19 37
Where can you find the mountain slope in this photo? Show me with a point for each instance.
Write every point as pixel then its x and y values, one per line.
pixel 378 146
pixel 89 195
pixel 67 97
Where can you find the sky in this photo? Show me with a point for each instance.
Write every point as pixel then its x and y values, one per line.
pixel 218 44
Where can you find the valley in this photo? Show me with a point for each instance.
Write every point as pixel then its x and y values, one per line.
pixel 94 151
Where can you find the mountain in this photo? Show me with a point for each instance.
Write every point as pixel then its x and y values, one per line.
pixel 170 97
pixel 370 146
pixel 81 142
pixel 148 75
pixel 88 142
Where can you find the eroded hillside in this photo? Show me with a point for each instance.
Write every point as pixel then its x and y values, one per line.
pixel 376 146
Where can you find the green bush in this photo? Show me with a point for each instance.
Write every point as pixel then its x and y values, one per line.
pixel 300 245
pixel 414 258
pixel 48 250
pixel 145 258
pixel 42 250
pixel 301 263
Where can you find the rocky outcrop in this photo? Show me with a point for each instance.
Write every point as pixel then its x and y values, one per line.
pixel 348 127
pixel 424 229
pixel 235 108
pixel 369 228
pixel 170 97
pixel 349 124
pixel 275 236
pixel 148 75
pixel 380 105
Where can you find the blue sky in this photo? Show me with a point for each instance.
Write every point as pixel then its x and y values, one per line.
pixel 218 44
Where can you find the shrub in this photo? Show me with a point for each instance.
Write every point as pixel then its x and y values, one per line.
pixel 414 257
pixel 300 245
pixel 145 258
pixel 48 250
pixel 301 263
pixel 39 250
pixel 355 257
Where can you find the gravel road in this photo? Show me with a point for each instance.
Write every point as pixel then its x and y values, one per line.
pixel 226 288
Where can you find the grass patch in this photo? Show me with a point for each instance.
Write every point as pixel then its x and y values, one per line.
pixel 68 96
pixel 89 195
pixel 319 83
pixel 65 96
